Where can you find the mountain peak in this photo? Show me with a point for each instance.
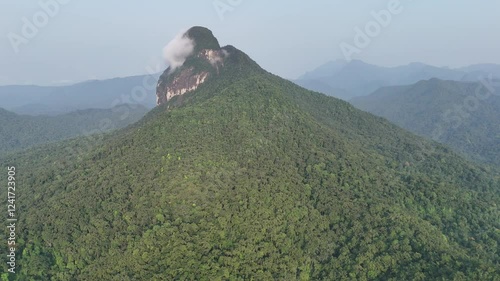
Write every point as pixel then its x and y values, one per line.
pixel 198 57
pixel 203 38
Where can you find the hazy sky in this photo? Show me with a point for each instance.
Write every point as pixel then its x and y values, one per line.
pixel 93 39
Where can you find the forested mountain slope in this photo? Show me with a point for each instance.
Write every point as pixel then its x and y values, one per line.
pixel 465 116
pixel 19 132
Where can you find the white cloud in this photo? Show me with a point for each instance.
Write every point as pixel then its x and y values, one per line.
pixel 177 50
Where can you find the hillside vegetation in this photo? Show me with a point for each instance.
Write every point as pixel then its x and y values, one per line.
pixel 251 177
pixel 465 116
pixel 19 132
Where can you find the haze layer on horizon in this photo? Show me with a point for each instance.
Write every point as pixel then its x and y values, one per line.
pixel 50 42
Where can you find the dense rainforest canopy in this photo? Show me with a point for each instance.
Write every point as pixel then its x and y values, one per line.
pixel 251 177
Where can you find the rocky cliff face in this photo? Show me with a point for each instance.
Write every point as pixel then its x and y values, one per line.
pixel 205 61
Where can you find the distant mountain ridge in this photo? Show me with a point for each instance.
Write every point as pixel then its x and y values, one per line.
pixel 98 94
pixel 481 70
pixel 463 115
pixel 347 80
